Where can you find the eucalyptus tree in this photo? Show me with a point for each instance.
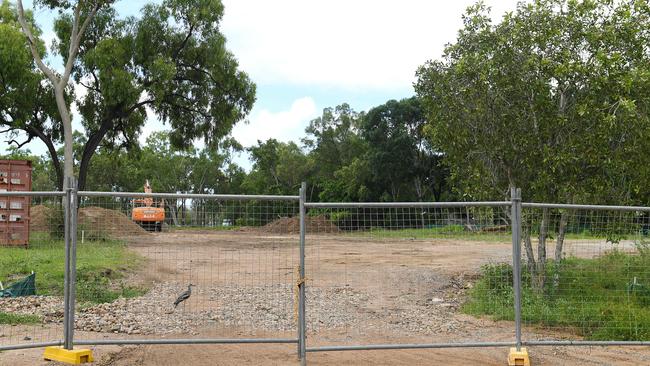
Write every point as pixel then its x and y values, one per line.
pixel 83 13
pixel 170 63
pixel 278 168
pixel 335 145
pixel 27 102
pixel 403 162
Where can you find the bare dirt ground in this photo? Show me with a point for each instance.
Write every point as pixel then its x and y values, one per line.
pixel 364 290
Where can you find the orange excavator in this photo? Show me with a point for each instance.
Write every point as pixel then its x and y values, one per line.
pixel 146 213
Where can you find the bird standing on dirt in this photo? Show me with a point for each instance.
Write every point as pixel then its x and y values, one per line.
pixel 184 296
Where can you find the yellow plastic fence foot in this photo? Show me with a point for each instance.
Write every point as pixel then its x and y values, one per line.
pixel 518 358
pixel 74 357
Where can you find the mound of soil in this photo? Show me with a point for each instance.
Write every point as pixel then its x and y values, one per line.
pixel 40 218
pixel 96 222
pixel 104 223
pixel 291 225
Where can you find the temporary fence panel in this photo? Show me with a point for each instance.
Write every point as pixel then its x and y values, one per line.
pixel 585 274
pixel 396 275
pixel 222 269
pixel 373 275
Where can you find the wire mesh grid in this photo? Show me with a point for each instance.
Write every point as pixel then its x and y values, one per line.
pixel 405 274
pixel 32 257
pixel 239 256
pixel 585 274
pixel 397 274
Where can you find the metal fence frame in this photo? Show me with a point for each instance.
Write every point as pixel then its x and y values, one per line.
pixel 368 347
pixel 70 196
pixel 300 331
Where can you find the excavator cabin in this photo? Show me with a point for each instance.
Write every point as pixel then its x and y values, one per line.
pixel 147 213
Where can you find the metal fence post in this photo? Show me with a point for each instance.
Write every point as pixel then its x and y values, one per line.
pixel 302 333
pixel 516 260
pixel 67 341
pixel 72 291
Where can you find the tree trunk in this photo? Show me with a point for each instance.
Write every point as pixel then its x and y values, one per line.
pixel 528 247
pixel 393 191
pixel 54 156
pixel 436 186
pixel 174 213
pixel 83 168
pixel 68 163
pixel 89 150
pixel 558 248
pixel 183 212
pixel 418 186
pixel 311 193
pixel 541 252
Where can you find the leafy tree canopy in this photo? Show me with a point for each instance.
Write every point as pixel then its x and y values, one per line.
pixel 553 99
pixel 172 61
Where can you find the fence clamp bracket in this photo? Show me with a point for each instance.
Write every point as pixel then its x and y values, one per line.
pixel 518 358
pixel 69 356
pixel 296 288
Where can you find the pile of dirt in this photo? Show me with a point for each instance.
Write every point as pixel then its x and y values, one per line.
pixel 40 218
pixel 291 225
pixel 96 222
pixel 103 223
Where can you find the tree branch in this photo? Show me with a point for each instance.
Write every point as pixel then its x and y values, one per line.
pixel 87 21
pixel 93 142
pixel 138 105
pixel 75 37
pixel 205 72
pixel 89 87
pixel 92 72
pixel 75 24
pixel 180 48
pixel 32 45
pixel 18 144
pixel 47 140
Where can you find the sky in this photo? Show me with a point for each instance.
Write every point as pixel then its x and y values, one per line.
pixel 305 56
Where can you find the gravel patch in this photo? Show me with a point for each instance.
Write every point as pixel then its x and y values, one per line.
pixel 267 308
pixel 48 308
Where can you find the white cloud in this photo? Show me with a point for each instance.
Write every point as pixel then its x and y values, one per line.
pixel 376 44
pixel 357 46
pixel 287 125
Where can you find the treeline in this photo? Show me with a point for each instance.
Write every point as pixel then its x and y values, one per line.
pixel 554 99
pixel 379 155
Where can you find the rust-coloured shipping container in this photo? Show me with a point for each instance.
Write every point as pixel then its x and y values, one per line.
pixel 15 175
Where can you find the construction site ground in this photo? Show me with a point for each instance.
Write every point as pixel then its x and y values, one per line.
pixel 377 273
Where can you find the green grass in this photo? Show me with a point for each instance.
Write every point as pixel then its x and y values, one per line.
pixel 15 319
pixel 459 232
pixel 595 298
pixel 101 268
pixel 441 232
